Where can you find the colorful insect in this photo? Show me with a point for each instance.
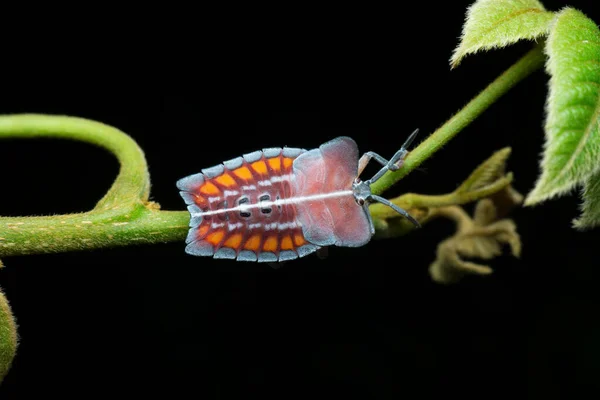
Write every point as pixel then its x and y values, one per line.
pixel 280 204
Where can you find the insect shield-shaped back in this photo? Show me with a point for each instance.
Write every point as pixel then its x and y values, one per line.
pixel 244 209
pixel 276 204
pixel 326 207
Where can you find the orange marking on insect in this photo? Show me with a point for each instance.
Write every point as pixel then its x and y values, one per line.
pixel 287 162
pixel 260 167
pixel 233 241
pixel 275 163
pixel 270 244
pixel 209 189
pixel 252 243
pixel 200 201
pixel 299 240
pixel 226 180
pixel 203 231
pixel 243 173
pixel 215 237
pixel 286 243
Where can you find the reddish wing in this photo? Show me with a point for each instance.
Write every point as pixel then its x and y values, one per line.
pixel 330 170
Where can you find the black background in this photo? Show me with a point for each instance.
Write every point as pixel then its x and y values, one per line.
pixel 366 322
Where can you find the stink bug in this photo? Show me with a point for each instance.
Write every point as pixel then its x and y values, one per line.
pixel 279 204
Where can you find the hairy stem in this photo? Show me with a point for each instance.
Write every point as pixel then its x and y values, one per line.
pixel 91 230
pixel 530 62
pixel 415 200
pixel 8 336
pixel 122 217
pixel 131 186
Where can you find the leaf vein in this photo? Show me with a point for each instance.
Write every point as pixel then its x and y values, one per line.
pixel 586 135
pixel 509 17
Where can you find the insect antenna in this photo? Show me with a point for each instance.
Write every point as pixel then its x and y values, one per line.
pixel 399 210
pixel 410 139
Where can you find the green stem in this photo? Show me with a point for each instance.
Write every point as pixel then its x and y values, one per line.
pixel 8 336
pixel 122 217
pixel 91 230
pixel 529 63
pixel 131 186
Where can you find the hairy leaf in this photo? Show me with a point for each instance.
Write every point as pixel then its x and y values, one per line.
pixel 572 147
pixel 498 23
pixel 590 209
pixel 482 237
pixel 487 172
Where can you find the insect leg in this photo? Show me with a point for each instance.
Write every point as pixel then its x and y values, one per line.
pixel 396 208
pixel 370 218
pixel 395 162
pixel 364 160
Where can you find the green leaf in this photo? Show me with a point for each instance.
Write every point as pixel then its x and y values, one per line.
pixel 590 209
pixel 487 172
pixel 572 148
pixel 498 23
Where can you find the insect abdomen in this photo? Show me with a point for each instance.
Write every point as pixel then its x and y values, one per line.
pixel 237 212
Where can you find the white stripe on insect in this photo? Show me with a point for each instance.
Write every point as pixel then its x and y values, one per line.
pixel 271 226
pixel 280 202
pixel 287 225
pixel 232 227
pixel 281 178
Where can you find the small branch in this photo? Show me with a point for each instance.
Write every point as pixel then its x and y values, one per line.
pixel 91 230
pixel 489 179
pixel 415 200
pixel 457 214
pixel 132 185
pixel 122 217
pixel 529 63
